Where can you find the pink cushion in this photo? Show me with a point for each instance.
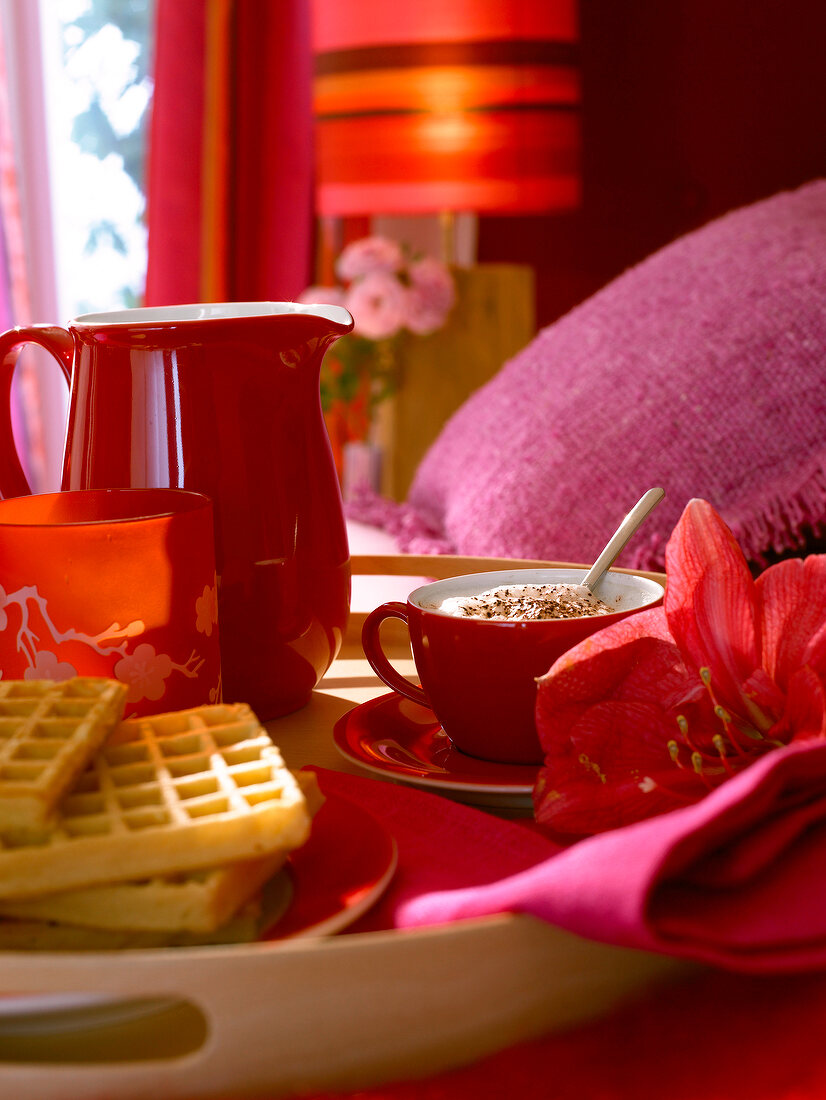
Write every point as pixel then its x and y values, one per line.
pixel 702 369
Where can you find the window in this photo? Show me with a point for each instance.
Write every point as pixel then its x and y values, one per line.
pixel 97 68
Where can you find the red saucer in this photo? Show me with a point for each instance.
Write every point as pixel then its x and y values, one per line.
pixel 402 740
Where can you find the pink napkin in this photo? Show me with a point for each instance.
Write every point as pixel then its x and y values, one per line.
pixel 738 879
pixel 442 845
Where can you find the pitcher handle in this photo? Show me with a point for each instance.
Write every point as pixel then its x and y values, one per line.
pixel 58 342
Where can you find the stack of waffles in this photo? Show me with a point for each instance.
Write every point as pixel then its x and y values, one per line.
pixel 137 832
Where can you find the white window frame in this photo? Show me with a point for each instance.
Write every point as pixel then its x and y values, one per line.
pixel 23 40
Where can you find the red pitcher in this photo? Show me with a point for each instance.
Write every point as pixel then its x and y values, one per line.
pixel 222 399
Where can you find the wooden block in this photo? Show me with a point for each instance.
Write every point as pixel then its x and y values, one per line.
pixel 493 319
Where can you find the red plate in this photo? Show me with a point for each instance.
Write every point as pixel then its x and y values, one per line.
pixel 340 872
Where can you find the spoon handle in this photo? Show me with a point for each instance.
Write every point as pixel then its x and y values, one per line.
pixel 621 536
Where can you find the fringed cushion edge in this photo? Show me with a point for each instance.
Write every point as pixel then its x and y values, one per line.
pixel 782 519
pixel 412 532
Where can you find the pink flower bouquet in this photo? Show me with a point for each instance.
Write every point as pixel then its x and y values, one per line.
pixel 391 294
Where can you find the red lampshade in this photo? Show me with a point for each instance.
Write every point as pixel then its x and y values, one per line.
pixel 446 105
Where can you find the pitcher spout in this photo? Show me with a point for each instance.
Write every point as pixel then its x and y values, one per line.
pixel 325 324
pixel 338 317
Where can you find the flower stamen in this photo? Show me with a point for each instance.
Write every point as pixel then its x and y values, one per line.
pixel 720 746
pixel 682 723
pixel 733 732
pixel 701 761
pixel 697 765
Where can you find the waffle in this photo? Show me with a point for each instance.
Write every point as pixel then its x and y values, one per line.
pixel 166 794
pixel 33 935
pixel 48 732
pixel 246 926
pixel 198 902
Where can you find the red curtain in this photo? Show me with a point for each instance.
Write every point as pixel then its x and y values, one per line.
pixel 230 178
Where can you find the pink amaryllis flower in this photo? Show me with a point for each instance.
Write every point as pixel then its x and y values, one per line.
pixel 653 712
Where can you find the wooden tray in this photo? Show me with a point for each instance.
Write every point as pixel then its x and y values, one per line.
pixel 279 1018
pixel 345 1012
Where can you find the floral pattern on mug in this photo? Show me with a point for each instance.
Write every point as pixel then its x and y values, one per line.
pixel 24 614
pixel 146 672
pixel 47 666
pixel 206 609
pixel 216 693
pixel 34 631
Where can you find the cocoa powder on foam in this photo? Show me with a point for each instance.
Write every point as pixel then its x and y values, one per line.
pixel 528 602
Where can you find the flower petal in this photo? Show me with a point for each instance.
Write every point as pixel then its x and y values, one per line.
pixel 804 718
pixel 369 254
pixel 605 716
pixel 764 693
pixel 578 674
pixel 710 602
pixel 378 303
pixel 614 768
pixel 792 600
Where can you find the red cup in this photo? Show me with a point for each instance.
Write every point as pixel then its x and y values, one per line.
pixel 117 583
pixel 478 676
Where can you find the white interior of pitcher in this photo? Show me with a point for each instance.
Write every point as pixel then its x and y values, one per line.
pixel 205 311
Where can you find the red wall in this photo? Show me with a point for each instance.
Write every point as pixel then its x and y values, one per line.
pixel 690 108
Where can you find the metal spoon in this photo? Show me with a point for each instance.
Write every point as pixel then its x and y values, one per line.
pixel 621 536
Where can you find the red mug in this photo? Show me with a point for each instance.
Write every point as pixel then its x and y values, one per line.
pixel 117 583
pixel 222 399
pixel 478 675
